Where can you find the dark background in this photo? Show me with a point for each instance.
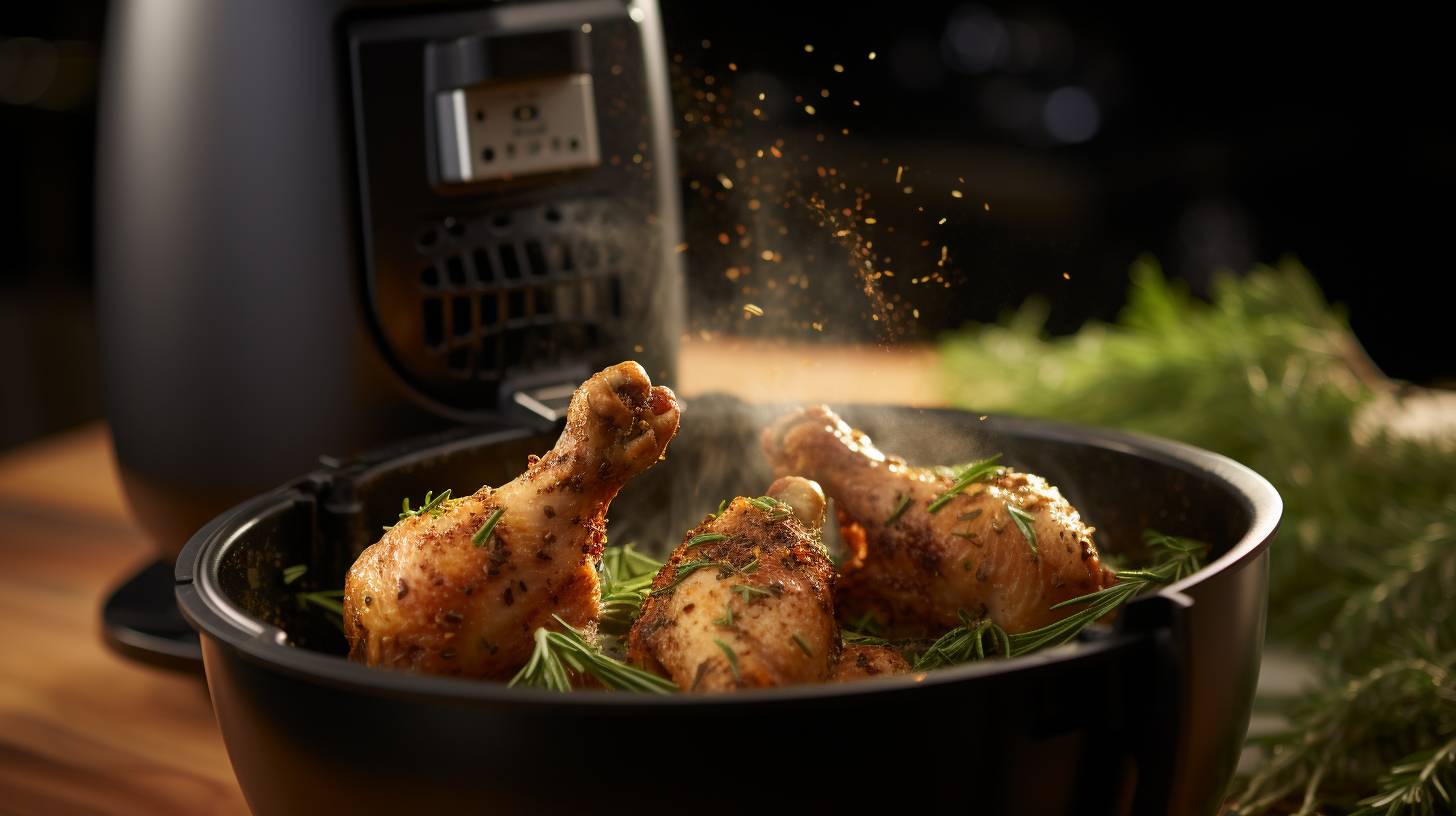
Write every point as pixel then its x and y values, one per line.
pixel 1210 138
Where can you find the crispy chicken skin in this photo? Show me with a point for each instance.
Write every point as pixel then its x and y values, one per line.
pixel 759 613
pixel 861 662
pixel 426 597
pixel 913 572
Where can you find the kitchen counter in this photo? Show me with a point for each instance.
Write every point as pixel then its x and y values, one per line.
pixel 84 729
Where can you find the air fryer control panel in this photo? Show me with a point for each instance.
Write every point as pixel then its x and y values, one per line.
pixel 509 130
pixel 518 198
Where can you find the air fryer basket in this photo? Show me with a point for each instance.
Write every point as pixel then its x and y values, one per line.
pixel 1146 718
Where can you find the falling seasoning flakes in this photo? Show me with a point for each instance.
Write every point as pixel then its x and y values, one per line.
pixel 872 221
pixel 941 221
pixel 723 238
pixel 725 181
pixel 681 248
pixel 986 205
pixel 838 69
pixel 733 66
pixel 872 55
pixel 638 349
pixel 808 49
pixel 944 253
pixel 1066 276
pixel 766 255
pixel 751 311
pixel 899 172
pixel 956 194
pixel 809 109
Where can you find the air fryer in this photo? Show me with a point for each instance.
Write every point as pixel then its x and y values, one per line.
pixel 327 229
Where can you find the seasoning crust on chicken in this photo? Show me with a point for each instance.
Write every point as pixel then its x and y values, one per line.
pixel 860 662
pixel 747 600
pixel 914 571
pixel 438 593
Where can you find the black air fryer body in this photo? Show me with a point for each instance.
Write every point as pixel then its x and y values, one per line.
pixel 330 226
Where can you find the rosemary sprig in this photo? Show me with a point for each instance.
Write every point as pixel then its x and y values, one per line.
pixel 974 472
pixel 329 600
pixel 726 621
pixel 488 528
pixel 1025 522
pixel 964 643
pixel 1419 784
pixel 561 656
pixel 1363 577
pixel 803 645
pixel 776 509
pixel 853 638
pixel 686 568
pixel 293 573
pixel 706 538
pixel 433 504
pixel 732 657
pixel 899 511
pixel 866 623
pixel 626 578
pixel 748 593
pixel 1173 558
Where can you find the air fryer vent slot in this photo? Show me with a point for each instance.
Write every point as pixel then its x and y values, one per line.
pixel 508 292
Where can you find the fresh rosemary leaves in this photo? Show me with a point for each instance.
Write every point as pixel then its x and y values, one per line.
pixel 962 644
pixel 1024 522
pixel 686 568
pixel 705 538
pixel 732 657
pixel 974 472
pixel 560 657
pixel 626 578
pixel 433 505
pixel 899 511
pixel 1173 559
pixel 488 528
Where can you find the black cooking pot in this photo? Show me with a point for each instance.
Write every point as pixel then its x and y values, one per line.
pixel 1145 716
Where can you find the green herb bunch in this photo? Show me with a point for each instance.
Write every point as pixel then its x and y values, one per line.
pixel 1363 578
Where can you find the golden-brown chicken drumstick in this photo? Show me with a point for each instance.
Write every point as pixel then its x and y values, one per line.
pixel 1009 547
pixel 747 601
pixel 460 590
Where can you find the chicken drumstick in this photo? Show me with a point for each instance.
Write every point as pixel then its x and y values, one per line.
pixel 747 601
pixel 915 570
pixel 459 590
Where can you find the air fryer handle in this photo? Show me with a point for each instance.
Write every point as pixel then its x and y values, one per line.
pixel 1160 704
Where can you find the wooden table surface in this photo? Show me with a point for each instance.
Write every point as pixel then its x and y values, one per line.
pixel 84 730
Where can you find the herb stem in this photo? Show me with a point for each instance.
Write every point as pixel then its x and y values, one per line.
pixel 486 530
